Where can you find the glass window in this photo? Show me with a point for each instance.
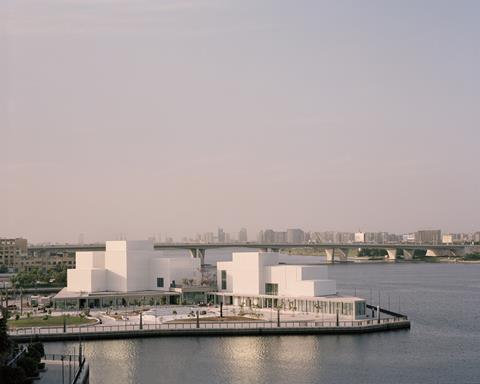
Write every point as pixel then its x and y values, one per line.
pixel 360 308
pixel 224 279
pixel 271 289
pixel 159 282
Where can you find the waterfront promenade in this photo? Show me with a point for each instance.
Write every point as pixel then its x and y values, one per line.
pixel 211 328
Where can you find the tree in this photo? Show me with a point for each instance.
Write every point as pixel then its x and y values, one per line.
pixel 5 342
pixel 29 365
pixel 11 375
pixel 53 277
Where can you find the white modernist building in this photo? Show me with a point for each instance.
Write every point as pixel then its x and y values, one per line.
pixel 257 279
pixel 126 270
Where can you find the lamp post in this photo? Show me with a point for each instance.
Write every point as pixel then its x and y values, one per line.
pixel 21 301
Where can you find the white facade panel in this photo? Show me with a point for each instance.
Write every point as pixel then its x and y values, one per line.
pixel 226 266
pixel 160 268
pixel 87 260
pixel 246 272
pixel 86 280
pixel 116 266
pixel 249 272
pixel 138 268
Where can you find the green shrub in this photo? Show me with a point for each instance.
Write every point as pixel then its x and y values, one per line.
pixel 17 316
pixel 29 365
pixel 11 375
pixel 37 346
pixel 472 256
pixel 34 354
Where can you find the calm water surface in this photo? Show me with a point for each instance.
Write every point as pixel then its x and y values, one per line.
pixel 443 346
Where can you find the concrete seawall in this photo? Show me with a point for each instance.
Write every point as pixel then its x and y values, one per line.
pixel 271 331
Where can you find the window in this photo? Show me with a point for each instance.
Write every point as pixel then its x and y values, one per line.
pixel 159 282
pixel 360 308
pixel 224 279
pixel 271 289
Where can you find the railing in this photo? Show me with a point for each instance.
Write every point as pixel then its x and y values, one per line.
pixel 68 361
pixel 12 360
pixel 386 311
pixel 206 325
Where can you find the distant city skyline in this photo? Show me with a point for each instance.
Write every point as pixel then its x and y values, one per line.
pixel 179 117
pixel 290 235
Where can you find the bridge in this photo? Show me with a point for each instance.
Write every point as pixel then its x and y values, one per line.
pixel 333 251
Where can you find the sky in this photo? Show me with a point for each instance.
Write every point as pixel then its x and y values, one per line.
pixel 177 117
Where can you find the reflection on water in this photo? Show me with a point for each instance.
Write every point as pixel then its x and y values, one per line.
pixel 442 347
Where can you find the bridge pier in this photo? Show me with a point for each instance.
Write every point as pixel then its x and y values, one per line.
pixel 408 254
pixel 198 253
pixel 330 254
pixel 392 253
pixel 459 252
pixel 343 254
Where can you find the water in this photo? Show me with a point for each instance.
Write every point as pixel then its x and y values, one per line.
pixel 443 346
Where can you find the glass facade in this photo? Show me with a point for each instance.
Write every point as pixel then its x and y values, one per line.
pixel 348 308
pixel 360 308
pixel 224 279
pixel 271 289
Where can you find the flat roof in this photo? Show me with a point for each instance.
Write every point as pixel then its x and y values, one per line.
pixel 64 294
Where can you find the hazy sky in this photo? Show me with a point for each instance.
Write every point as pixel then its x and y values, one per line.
pixel 177 117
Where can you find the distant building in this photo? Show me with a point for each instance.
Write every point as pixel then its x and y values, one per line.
pixel 316 237
pixel 280 237
pixel 261 237
pixel 457 238
pixel 242 235
pixel 408 238
pixel 476 237
pixel 269 236
pixel 308 237
pixel 221 235
pixel 428 236
pixel 208 237
pixel 447 239
pixel 295 236
pixel 13 252
pixel 359 237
